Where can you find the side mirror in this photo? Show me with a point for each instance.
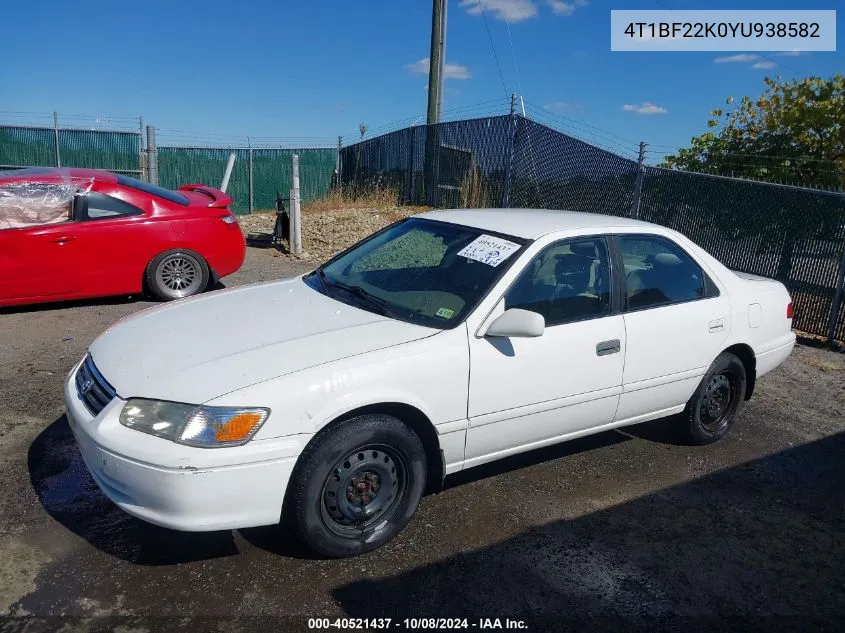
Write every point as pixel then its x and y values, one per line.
pixel 517 322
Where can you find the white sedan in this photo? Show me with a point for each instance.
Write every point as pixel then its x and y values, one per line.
pixel 334 400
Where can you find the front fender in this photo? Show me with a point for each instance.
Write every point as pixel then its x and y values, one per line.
pixel 430 374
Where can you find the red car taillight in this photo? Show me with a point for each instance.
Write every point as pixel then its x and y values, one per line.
pixel 789 310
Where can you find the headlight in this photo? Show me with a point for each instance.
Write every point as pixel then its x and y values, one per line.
pixel 194 425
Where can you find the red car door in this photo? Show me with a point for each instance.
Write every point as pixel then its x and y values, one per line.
pixel 38 261
pixel 116 242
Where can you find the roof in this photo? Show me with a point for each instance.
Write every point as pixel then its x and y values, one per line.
pixel 58 173
pixel 530 223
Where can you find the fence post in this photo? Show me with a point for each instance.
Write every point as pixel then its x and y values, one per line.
pixel 638 186
pixel 837 302
pixel 295 212
pixel 506 186
pixel 409 187
pixel 142 155
pixel 227 174
pixel 56 138
pixel 152 155
pixel 251 182
pixel 337 166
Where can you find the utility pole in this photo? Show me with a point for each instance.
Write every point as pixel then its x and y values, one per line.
pixel 638 187
pixel 436 59
pixel 435 89
pixel 513 103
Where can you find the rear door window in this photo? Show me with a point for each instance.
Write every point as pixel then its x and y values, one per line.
pixel 658 272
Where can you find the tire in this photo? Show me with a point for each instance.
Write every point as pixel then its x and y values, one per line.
pixel 356 485
pixel 176 274
pixel 717 401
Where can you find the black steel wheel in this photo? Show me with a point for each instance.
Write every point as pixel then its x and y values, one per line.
pixel 363 489
pixel 711 411
pixel 356 485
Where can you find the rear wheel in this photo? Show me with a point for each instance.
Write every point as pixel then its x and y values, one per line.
pixel 717 401
pixel 356 485
pixel 176 275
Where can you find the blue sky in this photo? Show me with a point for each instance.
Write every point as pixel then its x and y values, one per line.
pixel 202 68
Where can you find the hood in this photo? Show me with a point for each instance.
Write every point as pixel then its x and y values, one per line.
pixel 201 348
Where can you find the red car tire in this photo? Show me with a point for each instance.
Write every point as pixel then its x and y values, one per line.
pixel 177 274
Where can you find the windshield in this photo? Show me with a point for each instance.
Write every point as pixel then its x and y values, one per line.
pixel 422 271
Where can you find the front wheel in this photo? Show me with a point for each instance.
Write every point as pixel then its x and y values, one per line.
pixel 717 401
pixel 176 275
pixel 356 485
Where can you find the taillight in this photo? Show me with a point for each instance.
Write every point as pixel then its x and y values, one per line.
pixel 789 310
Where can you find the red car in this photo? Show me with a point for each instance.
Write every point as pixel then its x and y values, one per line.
pixel 77 233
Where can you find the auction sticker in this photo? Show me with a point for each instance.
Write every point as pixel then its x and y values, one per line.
pixel 489 250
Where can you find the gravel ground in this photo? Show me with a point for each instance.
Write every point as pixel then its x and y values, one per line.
pixel 621 531
pixel 328 232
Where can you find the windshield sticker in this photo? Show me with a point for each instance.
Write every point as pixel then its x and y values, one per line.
pixel 445 313
pixel 489 250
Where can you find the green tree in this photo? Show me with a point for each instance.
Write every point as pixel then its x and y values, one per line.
pixel 794 133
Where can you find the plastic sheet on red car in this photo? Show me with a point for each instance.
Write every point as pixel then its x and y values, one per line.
pixel 30 202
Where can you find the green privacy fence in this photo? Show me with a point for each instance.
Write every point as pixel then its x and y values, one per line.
pixel 117 151
pixel 271 172
pixel 22 146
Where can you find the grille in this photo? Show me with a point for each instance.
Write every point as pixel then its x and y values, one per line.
pixel 94 391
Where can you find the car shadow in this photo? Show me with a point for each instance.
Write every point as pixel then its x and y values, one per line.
pixel 67 492
pixel 74 303
pixel 533 458
pixel 661 431
pixel 754 547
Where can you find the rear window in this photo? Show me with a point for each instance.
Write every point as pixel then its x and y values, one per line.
pixel 154 190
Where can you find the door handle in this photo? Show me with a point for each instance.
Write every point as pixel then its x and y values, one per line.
pixel 716 325
pixel 608 347
pixel 63 239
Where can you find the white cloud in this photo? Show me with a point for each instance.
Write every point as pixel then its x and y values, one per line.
pixel 764 65
pixel 510 10
pixel 450 71
pixel 646 107
pixel 562 8
pixel 566 8
pixel 744 57
pixel 791 53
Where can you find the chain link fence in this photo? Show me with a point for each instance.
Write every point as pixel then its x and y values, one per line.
pixel 789 233
pixel 117 151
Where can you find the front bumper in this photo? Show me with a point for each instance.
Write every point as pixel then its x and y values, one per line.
pixel 181 487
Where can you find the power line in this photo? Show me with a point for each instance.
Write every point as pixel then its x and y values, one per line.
pixel 606 138
pixel 493 46
pixel 513 55
pixel 575 122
